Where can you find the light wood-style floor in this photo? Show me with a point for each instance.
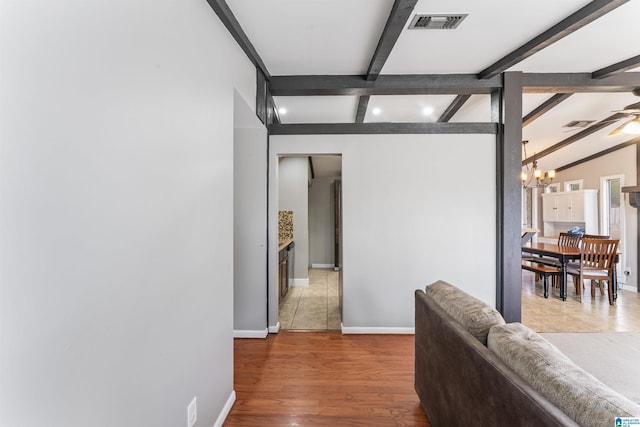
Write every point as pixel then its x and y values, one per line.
pixel 325 379
pixel 592 315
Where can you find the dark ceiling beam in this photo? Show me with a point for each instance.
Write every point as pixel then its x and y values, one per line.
pixel 382 128
pixel 387 84
pixel 313 172
pixel 362 108
pixel 599 154
pixel 619 67
pixel 400 12
pixel 447 84
pixel 575 137
pixel 273 116
pixel 544 107
pixel 573 22
pixel 578 82
pixel 221 8
pixel 453 108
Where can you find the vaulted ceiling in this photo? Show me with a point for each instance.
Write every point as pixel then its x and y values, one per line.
pixel 341 38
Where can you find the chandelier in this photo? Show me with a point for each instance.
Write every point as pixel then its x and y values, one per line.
pixel 532 177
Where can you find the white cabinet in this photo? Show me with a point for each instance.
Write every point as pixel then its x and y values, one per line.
pixel 549 207
pixel 562 211
pixel 577 205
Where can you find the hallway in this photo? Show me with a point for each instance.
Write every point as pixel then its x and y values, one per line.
pixel 314 307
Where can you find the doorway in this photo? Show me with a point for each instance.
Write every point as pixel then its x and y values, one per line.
pixel 312 302
pixel 612 216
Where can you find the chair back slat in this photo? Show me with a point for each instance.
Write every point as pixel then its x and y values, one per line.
pixel 597 263
pixel 598 254
pixel 569 239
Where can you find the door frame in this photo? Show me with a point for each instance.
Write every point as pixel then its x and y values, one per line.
pixel 604 221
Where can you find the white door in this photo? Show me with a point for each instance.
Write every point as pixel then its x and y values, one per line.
pixel 612 218
pixel 550 207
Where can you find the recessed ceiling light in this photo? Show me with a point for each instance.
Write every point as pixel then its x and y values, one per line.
pixel 282 110
pixel 376 111
pixel 427 111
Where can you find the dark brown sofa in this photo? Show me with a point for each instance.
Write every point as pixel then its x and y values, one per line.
pixel 461 382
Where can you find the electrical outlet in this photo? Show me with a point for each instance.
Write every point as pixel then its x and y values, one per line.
pixel 192 413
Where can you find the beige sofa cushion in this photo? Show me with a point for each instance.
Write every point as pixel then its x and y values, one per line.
pixel 576 392
pixel 474 315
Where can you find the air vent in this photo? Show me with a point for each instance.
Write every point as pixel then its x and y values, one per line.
pixel 579 123
pixel 436 22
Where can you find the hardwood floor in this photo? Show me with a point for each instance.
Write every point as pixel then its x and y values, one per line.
pixel 325 379
pixel 330 379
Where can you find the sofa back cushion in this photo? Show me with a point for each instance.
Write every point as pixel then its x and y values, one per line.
pixel 474 315
pixel 576 392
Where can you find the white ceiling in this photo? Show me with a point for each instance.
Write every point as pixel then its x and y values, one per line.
pixel 316 109
pixel 317 37
pixel 492 29
pixel 313 36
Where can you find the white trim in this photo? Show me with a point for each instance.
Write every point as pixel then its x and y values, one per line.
pixel 604 222
pixel 274 329
pixel 225 410
pixel 376 330
pixel 300 282
pixel 322 265
pixel 250 334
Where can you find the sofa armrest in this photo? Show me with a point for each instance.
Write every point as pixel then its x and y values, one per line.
pixel 460 382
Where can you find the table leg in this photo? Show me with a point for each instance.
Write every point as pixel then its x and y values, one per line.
pixel 615 282
pixel 563 280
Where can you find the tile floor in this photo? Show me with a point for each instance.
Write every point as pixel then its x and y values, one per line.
pixel 314 307
pixel 592 315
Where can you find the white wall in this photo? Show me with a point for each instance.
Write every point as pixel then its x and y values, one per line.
pixel 416 208
pixel 620 162
pixel 116 260
pixel 249 223
pixel 322 222
pixel 293 196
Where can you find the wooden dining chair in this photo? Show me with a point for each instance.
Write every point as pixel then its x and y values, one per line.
pixel 597 261
pixel 564 239
pixel 569 239
pixel 576 263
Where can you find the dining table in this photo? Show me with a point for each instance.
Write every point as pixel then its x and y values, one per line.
pixel 563 254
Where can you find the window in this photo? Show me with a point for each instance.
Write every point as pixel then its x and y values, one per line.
pixel 553 188
pixel 575 185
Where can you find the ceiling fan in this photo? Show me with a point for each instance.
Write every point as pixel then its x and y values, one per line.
pixel 632 125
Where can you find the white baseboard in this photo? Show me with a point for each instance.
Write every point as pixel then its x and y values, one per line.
pixel 322 265
pixel 300 282
pixel 250 334
pixel 225 410
pixel 376 330
pixel 274 329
